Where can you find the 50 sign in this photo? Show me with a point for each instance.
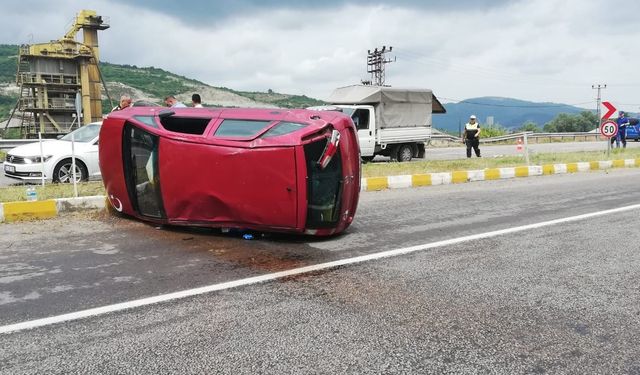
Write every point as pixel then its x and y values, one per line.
pixel 609 129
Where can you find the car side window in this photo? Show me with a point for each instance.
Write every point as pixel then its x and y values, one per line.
pixel 240 128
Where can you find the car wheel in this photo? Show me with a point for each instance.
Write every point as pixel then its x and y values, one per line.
pixel 366 159
pixel 405 153
pixel 62 173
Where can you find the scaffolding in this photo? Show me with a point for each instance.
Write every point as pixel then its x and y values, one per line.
pixel 60 82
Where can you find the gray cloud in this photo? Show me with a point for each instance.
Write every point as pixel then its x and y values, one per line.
pixel 536 49
pixel 211 12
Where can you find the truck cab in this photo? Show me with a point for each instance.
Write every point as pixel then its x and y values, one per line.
pixel 391 122
pixel 364 119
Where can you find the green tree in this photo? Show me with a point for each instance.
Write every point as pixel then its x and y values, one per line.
pixel 529 126
pixel 566 123
pixel 588 121
pixel 492 131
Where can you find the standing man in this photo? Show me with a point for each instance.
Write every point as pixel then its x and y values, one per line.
pixel 196 101
pixel 125 102
pixel 471 136
pixel 622 121
pixel 171 101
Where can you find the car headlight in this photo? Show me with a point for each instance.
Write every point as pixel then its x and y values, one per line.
pixel 36 159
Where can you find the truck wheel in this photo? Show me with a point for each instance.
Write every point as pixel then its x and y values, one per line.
pixel 405 153
pixel 366 159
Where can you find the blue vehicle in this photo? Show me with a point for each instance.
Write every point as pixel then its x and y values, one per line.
pixel 633 132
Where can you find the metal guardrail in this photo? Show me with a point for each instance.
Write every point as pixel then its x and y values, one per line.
pixel 31 103
pixel 8 144
pixel 536 137
pixel 48 79
pixel 445 137
pixel 531 137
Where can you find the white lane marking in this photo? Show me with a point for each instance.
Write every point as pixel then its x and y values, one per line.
pixel 296 271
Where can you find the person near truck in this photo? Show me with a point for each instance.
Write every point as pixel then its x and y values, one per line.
pixel 471 136
pixel 622 121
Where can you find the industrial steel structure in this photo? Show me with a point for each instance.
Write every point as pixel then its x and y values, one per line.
pixel 60 82
pixel 376 62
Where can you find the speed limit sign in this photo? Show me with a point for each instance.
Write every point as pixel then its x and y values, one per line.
pixel 609 129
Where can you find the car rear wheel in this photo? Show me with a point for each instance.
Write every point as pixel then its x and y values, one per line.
pixel 405 153
pixel 63 172
pixel 366 159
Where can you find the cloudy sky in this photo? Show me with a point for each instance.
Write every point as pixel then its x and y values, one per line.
pixel 539 50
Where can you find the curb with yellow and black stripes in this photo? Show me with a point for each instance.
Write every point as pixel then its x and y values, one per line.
pixel 16 211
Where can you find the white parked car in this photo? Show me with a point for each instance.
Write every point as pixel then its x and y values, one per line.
pixel 23 162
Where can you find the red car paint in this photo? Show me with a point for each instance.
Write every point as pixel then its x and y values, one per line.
pixel 259 169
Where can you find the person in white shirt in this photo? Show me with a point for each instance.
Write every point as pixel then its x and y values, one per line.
pixel 171 101
pixel 196 101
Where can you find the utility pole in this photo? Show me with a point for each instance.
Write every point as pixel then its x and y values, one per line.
pixel 375 65
pixel 599 101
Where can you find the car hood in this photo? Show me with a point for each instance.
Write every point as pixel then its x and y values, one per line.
pixel 49 147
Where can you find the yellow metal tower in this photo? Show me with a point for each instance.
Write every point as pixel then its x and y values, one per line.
pixel 56 78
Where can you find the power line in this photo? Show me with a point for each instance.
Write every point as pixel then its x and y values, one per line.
pixel 458 101
pixel 475 70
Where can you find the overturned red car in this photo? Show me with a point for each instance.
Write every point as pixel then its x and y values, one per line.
pixel 260 169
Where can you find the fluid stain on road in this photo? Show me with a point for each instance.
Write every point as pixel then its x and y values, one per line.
pixel 266 252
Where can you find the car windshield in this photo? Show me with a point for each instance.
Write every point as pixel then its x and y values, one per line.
pixel 83 134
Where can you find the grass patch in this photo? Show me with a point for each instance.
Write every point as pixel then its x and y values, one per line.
pixel 435 166
pixel 51 191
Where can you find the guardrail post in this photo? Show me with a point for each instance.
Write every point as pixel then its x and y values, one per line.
pixel 526 148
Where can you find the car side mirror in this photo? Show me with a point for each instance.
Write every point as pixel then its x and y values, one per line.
pixel 59 136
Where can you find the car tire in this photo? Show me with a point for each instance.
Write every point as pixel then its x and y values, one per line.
pixel 404 153
pixel 62 172
pixel 366 159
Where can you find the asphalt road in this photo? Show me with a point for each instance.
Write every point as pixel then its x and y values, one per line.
pixel 452 153
pixel 561 298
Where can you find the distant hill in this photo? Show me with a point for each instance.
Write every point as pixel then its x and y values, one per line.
pixel 509 113
pixel 151 84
